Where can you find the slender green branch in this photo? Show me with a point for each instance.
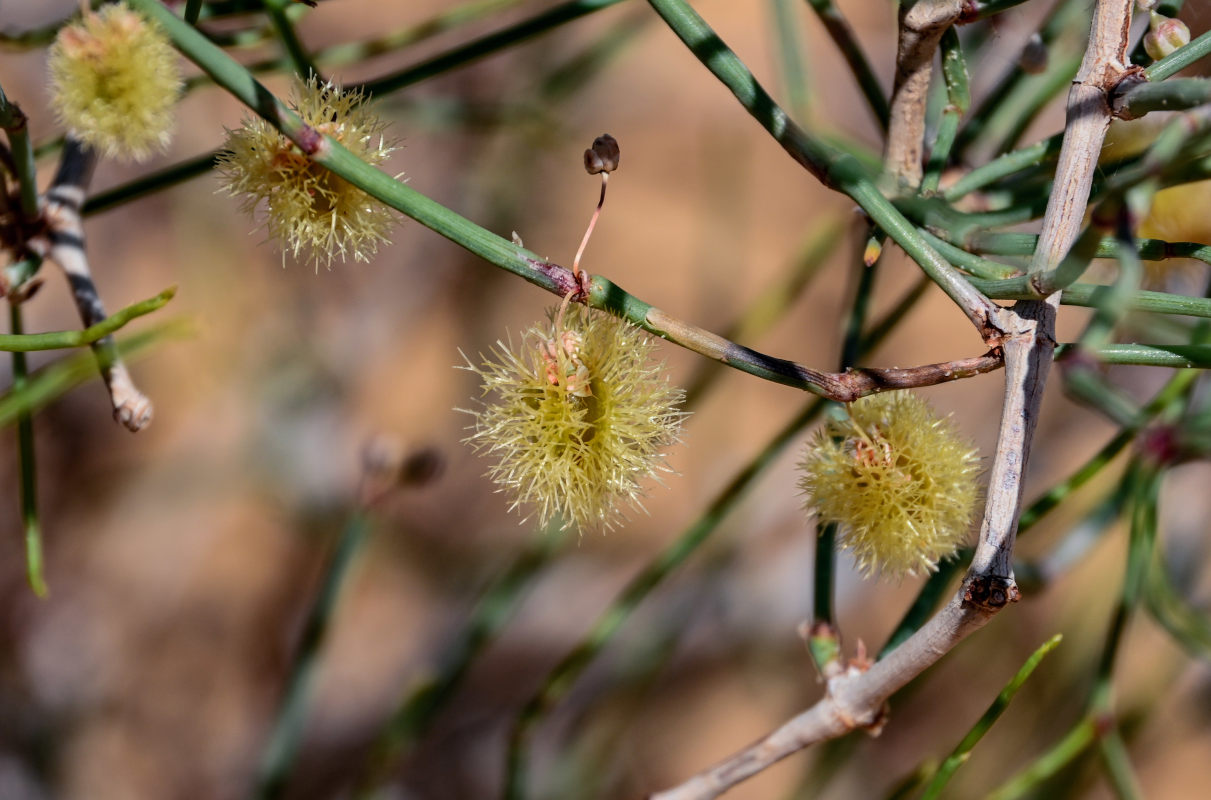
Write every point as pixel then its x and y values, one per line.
pixel 1088 295
pixel 600 293
pixel 1190 628
pixel 29 468
pixel 958 101
pixel 55 379
pixel 1147 355
pixel 926 601
pixel 429 695
pixel 1074 743
pixel 843 37
pixel 57 340
pixel 1179 59
pixel 282 750
pixel 1018 92
pixel 963 750
pixel 1023 244
pixel 139 187
pixel 1044 152
pixel 486 45
pixel 192 9
pixel 979 267
pixel 835 169
pixel 790 56
pixel 1175 94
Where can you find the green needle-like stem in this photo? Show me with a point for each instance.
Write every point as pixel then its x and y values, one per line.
pixel 963 751
pixel 29 469
pixel 57 340
pixel 282 751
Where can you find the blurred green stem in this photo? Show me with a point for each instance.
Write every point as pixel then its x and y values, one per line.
pixel 304 67
pixel 843 37
pixel 29 468
pixel 1179 59
pixel 958 101
pixel 281 752
pixel 963 750
pixel 17 342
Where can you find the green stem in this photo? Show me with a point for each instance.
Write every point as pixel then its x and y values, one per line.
pixel 843 37
pixel 1023 244
pixel 1175 94
pixel 29 469
pixel 169 176
pixel 560 680
pixel 963 750
pixel 958 101
pixel 192 9
pixel 790 56
pixel 834 168
pixel 1146 355
pixel 601 293
pixel 281 752
pixel 1017 95
pixel 27 342
pixel 303 66
pixel 1044 152
pixel 1077 740
pixel 486 45
pixel 1088 295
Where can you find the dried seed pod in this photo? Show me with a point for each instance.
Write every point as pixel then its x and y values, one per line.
pixel 602 156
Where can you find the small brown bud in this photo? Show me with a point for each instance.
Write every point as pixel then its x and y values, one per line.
pixel 1033 58
pixel 602 156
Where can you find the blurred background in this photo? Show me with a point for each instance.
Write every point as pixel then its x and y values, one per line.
pixel 182 561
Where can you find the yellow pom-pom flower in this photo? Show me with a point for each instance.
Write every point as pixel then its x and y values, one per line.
pixel 114 81
pixel 580 417
pixel 309 210
pixel 899 482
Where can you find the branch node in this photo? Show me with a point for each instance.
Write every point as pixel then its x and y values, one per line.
pixel 991 593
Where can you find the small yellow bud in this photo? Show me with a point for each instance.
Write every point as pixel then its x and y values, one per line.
pixel 580 417
pixel 114 81
pixel 309 210
pixel 899 481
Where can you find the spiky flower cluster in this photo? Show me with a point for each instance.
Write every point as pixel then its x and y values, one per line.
pixel 899 481
pixel 114 80
pixel 310 211
pixel 579 419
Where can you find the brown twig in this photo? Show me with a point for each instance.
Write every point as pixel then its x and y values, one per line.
pixel 921 27
pixel 857 698
pixel 62 241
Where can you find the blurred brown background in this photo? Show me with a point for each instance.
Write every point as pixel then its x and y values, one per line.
pixel 181 560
